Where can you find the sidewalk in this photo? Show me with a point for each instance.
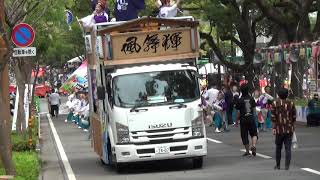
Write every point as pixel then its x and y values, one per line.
pixel 51 166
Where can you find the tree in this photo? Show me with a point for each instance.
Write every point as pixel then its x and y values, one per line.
pixel 16 12
pixel 5 123
pixel 12 12
pixel 235 21
pixel 292 24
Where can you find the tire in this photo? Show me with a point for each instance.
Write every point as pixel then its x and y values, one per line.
pixel 111 162
pixel 102 162
pixel 197 162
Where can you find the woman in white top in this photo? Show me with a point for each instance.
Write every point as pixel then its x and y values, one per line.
pixel 167 9
pixel 83 113
pixel 70 103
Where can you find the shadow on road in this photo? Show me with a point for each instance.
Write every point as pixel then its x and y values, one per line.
pixel 156 166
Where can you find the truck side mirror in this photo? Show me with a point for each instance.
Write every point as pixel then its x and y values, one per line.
pixel 101 92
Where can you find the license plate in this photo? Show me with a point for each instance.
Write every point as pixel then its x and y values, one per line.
pixel 162 150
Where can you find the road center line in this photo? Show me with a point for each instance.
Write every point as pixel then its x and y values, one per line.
pixel 311 170
pixel 258 154
pixel 215 141
pixel 62 153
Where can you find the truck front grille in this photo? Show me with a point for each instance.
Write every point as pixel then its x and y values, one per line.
pixel 160 136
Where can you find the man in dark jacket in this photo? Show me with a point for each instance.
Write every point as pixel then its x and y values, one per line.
pixel 246 105
pixel 126 10
pixel 283 119
pixel 313 118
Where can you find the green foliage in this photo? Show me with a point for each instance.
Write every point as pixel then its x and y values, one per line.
pixel 301 102
pixel 55 42
pixel 27 165
pixel 20 142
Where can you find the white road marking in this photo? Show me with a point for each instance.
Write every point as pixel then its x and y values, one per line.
pixel 62 153
pixel 215 141
pixel 258 154
pixel 311 170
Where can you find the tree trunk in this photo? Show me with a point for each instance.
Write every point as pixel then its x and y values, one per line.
pixel 251 76
pixel 21 124
pixel 5 124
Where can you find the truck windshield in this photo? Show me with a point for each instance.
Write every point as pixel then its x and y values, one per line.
pixel 155 88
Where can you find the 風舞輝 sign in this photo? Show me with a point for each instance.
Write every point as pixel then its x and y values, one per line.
pixel 150 44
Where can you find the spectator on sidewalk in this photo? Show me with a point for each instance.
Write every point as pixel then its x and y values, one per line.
pixel 71 103
pixel 283 120
pixel 313 118
pixel 77 106
pixel 246 106
pixel 84 115
pixel 258 115
pixel 235 112
pixel 266 101
pixel 219 113
pixel 11 107
pixel 54 101
pixel 126 10
pixel 211 96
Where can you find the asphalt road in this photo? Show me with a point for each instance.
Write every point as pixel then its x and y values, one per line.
pixel 223 162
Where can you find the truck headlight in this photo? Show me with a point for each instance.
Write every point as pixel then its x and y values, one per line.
pixel 122 133
pixel 197 126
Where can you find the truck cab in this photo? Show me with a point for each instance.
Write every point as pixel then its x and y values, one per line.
pixel 145 92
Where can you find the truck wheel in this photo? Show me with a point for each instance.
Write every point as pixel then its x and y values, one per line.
pixel 197 162
pixel 102 162
pixel 110 157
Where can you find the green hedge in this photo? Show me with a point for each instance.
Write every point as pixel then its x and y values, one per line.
pixel 21 143
pixel 27 165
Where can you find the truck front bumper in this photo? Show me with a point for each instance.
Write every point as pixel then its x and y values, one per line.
pixel 150 152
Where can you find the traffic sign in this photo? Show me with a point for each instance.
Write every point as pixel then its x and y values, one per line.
pixel 24 52
pixel 22 35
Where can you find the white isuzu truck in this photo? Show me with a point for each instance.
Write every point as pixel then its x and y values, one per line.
pixel 145 94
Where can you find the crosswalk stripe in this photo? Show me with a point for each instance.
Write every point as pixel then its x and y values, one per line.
pixel 215 141
pixel 311 170
pixel 258 154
